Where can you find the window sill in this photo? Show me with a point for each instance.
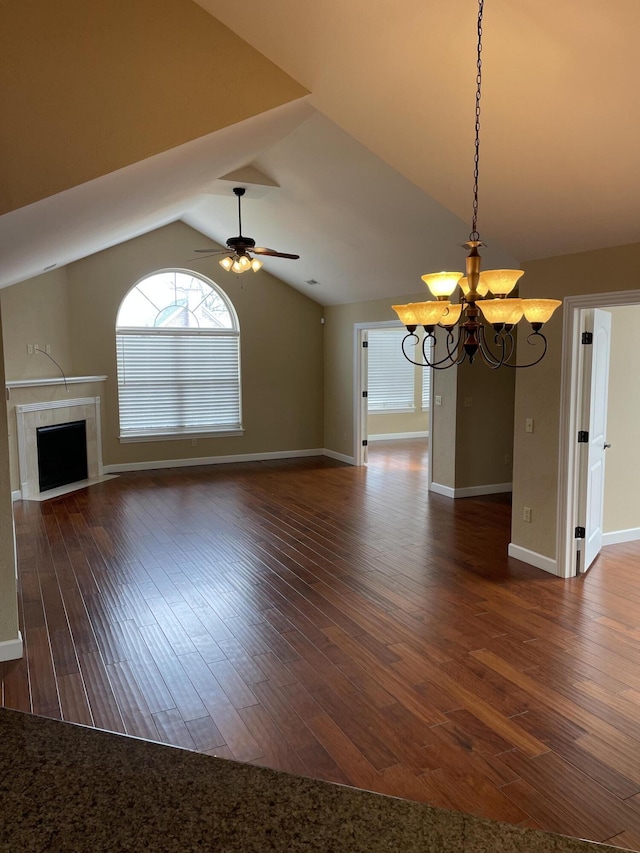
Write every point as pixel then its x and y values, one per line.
pixel 177 436
pixel 408 411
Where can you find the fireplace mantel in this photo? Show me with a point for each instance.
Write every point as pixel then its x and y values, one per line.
pixel 55 380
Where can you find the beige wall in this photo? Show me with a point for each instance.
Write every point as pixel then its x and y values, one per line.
pixel 444 425
pixel 535 476
pixel 8 587
pixel 622 472
pixel 75 310
pixel 36 312
pixel 390 423
pixel 473 426
pixel 91 87
pixel 484 435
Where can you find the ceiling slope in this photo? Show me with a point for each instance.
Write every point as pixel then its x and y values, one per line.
pixel 559 169
pixel 131 201
pixel 89 88
pixel 362 230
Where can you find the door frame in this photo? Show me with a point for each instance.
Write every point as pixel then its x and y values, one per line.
pixel 570 412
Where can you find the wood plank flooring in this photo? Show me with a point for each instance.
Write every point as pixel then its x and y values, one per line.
pixel 339 623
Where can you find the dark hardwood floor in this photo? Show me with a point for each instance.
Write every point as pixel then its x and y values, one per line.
pixel 340 623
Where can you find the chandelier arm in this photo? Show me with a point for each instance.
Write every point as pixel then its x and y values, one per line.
pixel 488 356
pixel 531 343
pixel 455 354
pixel 509 337
pixel 425 362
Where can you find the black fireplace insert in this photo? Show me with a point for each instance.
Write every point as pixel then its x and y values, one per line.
pixel 62 454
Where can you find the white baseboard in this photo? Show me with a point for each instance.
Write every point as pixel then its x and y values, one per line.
pixel 616 537
pixel 471 491
pixel 533 558
pixel 488 489
pixel 341 457
pixel 439 489
pixel 211 460
pixel 17 495
pixel 11 649
pixel 392 436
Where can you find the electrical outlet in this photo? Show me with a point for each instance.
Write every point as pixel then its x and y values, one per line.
pixel 528 425
pixel 47 348
pixel 29 349
pixel 526 514
pixel 468 402
pixel 438 400
pixel 194 442
pixel 507 459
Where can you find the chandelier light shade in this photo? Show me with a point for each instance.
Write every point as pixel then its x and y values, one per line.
pixel 500 282
pixel 451 316
pixel 426 314
pixel 538 311
pixel 501 312
pixel 442 284
pixel 474 325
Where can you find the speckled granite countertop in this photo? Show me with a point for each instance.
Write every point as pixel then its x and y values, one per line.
pixel 70 789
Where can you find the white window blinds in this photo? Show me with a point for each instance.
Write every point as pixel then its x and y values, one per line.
pixel 391 376
pixel 171 382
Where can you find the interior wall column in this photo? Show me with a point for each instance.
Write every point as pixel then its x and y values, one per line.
pixel 10 639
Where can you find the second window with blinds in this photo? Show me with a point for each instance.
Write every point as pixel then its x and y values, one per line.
pixel 392 385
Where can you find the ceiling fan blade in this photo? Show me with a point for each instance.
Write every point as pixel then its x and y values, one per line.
pixel 204 257
pixel 272 252
pixel 212 251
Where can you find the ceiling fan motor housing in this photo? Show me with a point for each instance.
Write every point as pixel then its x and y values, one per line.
pixel 241 244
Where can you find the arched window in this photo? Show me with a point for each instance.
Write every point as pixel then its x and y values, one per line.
pixel 178 350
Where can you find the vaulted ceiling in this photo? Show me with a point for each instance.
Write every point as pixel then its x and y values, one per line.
pixel 373 168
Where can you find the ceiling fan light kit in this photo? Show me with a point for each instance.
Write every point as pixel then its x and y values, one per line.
pixel 242 249
pixel 473 314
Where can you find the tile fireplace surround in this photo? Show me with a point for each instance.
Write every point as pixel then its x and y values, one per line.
pixel 33 415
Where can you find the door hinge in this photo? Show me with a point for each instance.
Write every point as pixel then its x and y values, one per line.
pixel 365 443
pixel 365 393
pixel 580 533
pixel 365 344
pixel 583 436
pixel 587 337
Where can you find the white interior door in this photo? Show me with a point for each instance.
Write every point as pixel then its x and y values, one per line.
pixel 592 461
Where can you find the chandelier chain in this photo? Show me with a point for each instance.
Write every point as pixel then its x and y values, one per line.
pixel 474 235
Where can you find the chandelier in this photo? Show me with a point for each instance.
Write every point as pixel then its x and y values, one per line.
pixel 474 325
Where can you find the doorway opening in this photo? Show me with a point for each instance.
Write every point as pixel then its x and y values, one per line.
pixel 587 494
pixel 392 404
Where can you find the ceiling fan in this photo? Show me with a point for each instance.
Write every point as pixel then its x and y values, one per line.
pixel 242 248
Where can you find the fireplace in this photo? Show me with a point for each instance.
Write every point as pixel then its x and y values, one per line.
pixel 62 454
pixel 30 421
